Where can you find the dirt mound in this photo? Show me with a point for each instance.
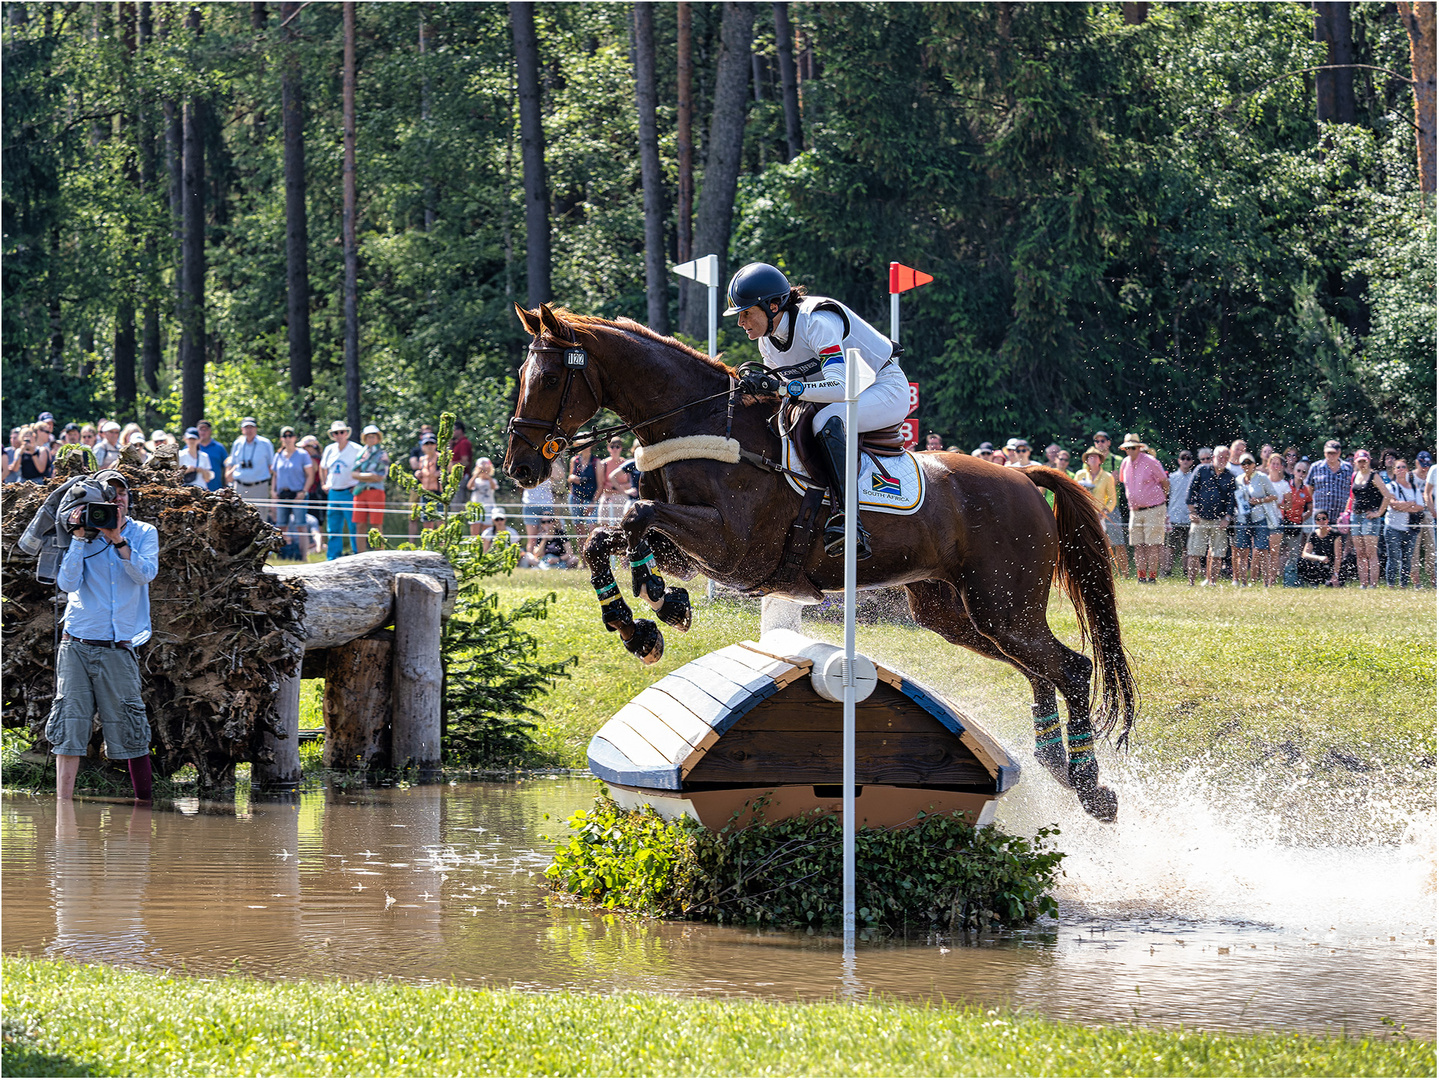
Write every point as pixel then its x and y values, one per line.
pixel 225 631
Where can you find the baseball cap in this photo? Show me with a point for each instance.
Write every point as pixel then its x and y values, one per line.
pixel 1013 444
pixel 45 416
pixel 287 430
pixel 986 446
pixel 112 476
pixel 192 433
pixel 136 437
pixel 339 425
pixel 427 438
pixel 71 426
pixel 111 426
pixel 309 440
pixel 1424 458
pixel 1361 454
pixel 1101 435
pixel 498 515
pixel 1332 444
pixel 371 429
pixel 249 421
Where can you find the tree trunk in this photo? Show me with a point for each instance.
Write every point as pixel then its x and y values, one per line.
pixel 357 704
pixel 1334 88
pixel 282 770
pixel 417 673
pixel 352 255
pixel 656 279
pixel 1134 13
pixel 150 273
pixel 125 358
pixel 1418 18
pixel 57 322
pixel 192 273
pixel 726 144
pixel 348 598
pixel 425 121
pixel 532 154
pixel 789 83
pixel 685 147
pixel 297 235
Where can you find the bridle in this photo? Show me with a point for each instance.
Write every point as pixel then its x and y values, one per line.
pixel 554 438
pixel 553 434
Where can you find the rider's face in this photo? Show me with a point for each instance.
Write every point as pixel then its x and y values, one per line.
pixel 752 321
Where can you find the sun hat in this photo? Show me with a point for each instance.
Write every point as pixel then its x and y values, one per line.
pixel 1132 440
pixel 1096 451
pixel 339 425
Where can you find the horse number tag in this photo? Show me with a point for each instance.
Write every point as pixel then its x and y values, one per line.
pixel 575 358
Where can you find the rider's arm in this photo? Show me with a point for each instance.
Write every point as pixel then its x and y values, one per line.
pixel 821 335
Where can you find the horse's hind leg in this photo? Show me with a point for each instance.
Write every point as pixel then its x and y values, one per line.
pixel 641 637
pixel 936 606
pixel 671 605
pixel 1077 672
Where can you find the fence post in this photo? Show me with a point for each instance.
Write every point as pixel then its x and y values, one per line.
pixel 284 771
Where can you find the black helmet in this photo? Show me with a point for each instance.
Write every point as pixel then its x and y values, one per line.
pixel 757 283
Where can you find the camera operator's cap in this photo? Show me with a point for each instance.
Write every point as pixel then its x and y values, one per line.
pixel 338 426
pixel 112 476
pixel 371 429
pixel 1132 440
pixel 427 438
pixel 44 416
pixel 192 433
pixel 111 425
pixel 249 421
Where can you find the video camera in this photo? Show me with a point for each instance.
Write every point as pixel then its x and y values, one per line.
pixel 89 506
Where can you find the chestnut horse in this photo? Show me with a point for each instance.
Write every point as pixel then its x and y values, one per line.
pixel 977 559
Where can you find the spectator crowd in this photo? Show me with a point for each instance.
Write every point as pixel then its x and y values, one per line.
pixel 1220 512
pixel 1210 514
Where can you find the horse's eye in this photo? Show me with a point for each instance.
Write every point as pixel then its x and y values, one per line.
pixel 550 381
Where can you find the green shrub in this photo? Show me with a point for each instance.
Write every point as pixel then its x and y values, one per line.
pixel 940 873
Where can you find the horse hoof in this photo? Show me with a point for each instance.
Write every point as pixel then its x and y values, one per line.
pixel 676 610
pixel 646 642
pixel 1100 803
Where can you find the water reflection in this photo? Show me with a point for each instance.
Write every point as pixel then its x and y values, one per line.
pixel 441 883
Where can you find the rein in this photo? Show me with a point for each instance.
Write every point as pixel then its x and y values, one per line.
pixel 556 441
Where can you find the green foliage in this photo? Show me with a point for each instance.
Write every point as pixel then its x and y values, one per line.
pixel 492 670
pixel 940 873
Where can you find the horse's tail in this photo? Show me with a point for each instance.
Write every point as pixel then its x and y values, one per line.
pixel 1083 573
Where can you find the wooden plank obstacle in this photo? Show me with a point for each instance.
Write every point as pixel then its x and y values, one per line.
pixel 761 719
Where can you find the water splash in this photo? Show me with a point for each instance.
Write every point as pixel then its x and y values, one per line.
pixel 1306 853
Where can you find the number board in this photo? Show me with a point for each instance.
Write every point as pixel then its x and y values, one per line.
pixel 910 430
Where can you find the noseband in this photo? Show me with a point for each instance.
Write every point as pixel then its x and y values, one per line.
pixel 553 435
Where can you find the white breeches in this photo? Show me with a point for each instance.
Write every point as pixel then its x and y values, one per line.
pixel 883 405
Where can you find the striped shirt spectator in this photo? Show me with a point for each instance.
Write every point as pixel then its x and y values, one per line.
pixel 1329 482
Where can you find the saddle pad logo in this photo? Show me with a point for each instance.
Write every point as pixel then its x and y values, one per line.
pixel 886 485
pixel 899 489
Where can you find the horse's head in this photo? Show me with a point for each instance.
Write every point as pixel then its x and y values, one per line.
pixel 559 391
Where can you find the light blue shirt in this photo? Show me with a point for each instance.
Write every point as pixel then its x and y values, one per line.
pixel 110 596
pixel 252 461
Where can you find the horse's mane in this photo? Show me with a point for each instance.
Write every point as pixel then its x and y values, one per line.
pixel 595 324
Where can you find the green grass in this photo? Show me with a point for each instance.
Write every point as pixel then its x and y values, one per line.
pixel 1224 673
pixel 64 1019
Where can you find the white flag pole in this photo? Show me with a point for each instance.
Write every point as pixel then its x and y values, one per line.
pixel 711 279
pixel 854 384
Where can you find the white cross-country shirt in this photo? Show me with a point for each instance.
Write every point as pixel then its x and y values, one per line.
pixel 810 334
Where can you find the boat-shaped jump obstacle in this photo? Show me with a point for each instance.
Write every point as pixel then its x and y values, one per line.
pixel 766 719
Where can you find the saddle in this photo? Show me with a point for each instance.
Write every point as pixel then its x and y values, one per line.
pixel 797 418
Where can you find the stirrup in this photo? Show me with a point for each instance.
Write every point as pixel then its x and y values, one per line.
pixel 834 539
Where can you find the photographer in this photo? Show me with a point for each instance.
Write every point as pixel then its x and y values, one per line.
pixel 107 572
pixel 195 461
pixel 32 462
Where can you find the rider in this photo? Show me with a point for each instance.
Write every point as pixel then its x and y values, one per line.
pixel 803 340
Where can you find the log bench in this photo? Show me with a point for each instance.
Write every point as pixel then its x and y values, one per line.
pixel 383 687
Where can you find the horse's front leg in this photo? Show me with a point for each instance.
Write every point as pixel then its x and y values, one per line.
pixel 671 605
pixel 641 637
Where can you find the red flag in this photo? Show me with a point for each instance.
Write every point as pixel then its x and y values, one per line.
pixel 903 278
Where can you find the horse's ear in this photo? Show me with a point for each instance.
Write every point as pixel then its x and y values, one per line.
pixel 553 325
pixel 530 320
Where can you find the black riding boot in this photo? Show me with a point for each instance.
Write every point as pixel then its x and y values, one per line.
pixel 832 447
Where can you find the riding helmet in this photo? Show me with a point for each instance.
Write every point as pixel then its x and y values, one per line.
pixel 757 283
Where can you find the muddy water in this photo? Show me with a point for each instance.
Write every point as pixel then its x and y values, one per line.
pixel 1187 913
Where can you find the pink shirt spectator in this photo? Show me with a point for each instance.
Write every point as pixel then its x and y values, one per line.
pixel 1143 479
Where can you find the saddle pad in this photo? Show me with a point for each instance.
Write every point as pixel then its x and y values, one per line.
pixel 901 492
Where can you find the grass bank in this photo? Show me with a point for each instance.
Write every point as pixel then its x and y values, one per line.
pixel 1329 679
pixel 72 1020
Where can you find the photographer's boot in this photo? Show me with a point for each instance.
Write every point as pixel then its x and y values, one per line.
pixel 832 447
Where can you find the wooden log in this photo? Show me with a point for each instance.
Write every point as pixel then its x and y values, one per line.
pixel 357 704
pixel 415 730
pixel 347 598
pixel 283 768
